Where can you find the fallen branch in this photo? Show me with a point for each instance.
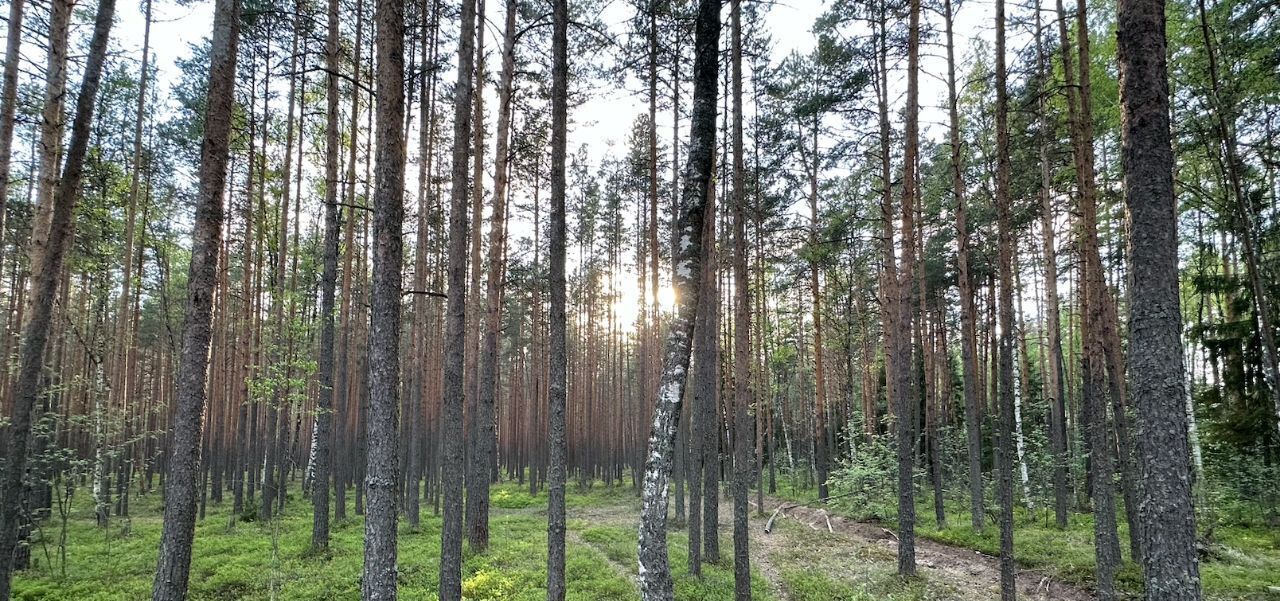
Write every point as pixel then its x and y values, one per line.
pixel 768 526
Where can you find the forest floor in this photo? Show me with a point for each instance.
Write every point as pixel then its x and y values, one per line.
pixel 1239 553
pixel 810 555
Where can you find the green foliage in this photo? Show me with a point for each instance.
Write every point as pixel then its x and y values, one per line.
pixel 868 481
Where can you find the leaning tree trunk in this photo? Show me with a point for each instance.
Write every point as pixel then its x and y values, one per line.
pixel 557 393
pixel 189 391
pixel 9 102
pixel 456 320
pixel 1241 214
pixel 1166 511
pixel 46 276
pixel 655 570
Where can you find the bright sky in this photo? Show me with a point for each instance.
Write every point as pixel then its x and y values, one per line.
pixel 607 117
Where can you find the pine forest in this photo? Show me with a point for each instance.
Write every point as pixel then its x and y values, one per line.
pixel 657 300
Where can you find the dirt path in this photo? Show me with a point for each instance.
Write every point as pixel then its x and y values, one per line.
pixel 763 549
pixel 966 573
pixel 810 541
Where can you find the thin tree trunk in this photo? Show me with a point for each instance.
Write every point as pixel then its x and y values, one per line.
pixel 1093 407
pixel 1006 384
pixel 323 439
pixel 905 396
pixel 485 435
pixel 277 411
pixel 1055 394
pixel 456 320
pixel 705 394
pixel 9 104
pixel 742 435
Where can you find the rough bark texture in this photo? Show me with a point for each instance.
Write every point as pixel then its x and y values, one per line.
pixel 46 277
pixel 705 394
pixel 1055 390
pixel 22 408
pixel 558 389
pixel 323 438
pixel 904 385
pixel 1155 320
pixel 1092 363
pixel 9 102
pixel 742 434
pixel 1004 447
pixel 206 239
pixel 453 467
pixel 655 570
pixel 485 432
pixel 382 428
pixel 51 127
pixel 968 310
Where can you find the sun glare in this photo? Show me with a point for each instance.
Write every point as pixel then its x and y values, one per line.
pixel 627 308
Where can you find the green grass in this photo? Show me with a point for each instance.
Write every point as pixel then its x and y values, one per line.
pixel 1244 568
pixel 811 569
pixel 250 560
pixel 618 543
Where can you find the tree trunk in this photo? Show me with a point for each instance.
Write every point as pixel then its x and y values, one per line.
pixel 655 571
pixel 705 394
pixel 278 412
pixel 174 563
pixel 1055 394
pixel 418 338
pixel 558 388
pixel 485 435
pixel 456 320
pixel 1093 405
pixel 1006 385
pixel 1166 510
pixel 382 420
pixel 323 438
pixel 51 131
pixel 742 434
pixel 904 388
pixel 9 104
